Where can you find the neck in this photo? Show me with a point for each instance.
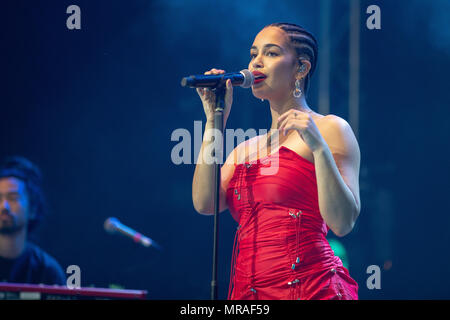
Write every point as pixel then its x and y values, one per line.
pixel 277 108
pixel 12 245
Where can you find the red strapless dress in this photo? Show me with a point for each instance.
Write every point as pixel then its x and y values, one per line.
pixel 280 250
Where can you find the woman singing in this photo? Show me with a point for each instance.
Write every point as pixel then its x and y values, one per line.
pixel 280 247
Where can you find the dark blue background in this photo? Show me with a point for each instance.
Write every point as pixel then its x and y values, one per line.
pixel 95 109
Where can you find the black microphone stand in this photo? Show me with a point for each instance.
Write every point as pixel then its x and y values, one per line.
pixel 220 91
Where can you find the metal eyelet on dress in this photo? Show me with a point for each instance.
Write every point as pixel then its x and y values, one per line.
pixel 290 283
pixel 294 214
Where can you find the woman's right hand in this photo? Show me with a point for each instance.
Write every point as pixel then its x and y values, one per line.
pixel 208 98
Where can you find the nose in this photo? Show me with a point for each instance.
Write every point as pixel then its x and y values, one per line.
pixel 257 62
pixel 4 206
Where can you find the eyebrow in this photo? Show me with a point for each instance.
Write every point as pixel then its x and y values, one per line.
pixel 267 46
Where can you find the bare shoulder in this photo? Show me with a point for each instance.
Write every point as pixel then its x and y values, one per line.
pixel 332 126
pixel 327 121
pixel 339 136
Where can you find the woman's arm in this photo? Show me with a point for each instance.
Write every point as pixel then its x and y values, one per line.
pixel 336 159
pixel 203 184
pixel 337 165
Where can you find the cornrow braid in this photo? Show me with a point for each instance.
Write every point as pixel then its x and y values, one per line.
pixel 304 44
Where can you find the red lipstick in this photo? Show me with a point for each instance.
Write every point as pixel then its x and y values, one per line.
pixel 259 77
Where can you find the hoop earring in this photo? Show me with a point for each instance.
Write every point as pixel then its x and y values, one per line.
pixel 297 92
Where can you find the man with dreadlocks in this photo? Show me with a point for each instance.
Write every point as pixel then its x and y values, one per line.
pixel 21 209
pixel 281 251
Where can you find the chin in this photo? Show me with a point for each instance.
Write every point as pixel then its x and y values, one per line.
pixel 259 94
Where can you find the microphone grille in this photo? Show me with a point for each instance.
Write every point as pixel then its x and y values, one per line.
pixel 249 78
pixel 110 225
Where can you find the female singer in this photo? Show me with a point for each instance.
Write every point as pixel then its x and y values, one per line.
pixel 281 251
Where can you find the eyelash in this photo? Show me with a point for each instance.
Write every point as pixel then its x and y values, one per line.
pixel 253 55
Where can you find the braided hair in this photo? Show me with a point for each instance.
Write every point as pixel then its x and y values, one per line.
pixel 304 43
pixel 24 170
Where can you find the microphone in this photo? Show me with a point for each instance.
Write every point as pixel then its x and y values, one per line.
pixel 244 78
pixel 113 225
